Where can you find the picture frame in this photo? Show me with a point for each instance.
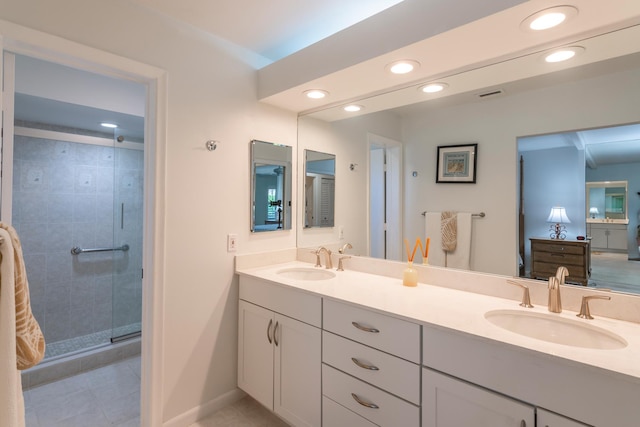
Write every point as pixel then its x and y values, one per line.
pixel 457 164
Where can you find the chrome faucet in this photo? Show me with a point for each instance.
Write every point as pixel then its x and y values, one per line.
pixel 344 248
pixel 327 258
pixel 555 302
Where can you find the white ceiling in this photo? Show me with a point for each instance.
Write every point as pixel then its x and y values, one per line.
pixel 277 28
pixel 270 28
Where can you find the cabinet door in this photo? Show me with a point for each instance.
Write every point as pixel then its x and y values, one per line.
pixel 255 352
pixel 549 419
pixel 297 374
pixel 617 238
pixel 598 238
pixel 448 402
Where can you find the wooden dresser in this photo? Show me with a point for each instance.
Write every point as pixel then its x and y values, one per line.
pixel 549 254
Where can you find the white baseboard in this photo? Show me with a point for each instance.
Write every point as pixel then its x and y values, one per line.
pixel 206 409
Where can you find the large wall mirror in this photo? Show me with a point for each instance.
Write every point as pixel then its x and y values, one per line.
pixel 319 189
pixel 607 201
pixel 270 186
pixel 559 100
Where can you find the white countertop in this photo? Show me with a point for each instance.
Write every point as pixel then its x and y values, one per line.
pixel 459 310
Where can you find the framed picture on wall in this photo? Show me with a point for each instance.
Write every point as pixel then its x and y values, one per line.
pixel 457 163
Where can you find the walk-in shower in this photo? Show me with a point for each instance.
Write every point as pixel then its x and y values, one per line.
pixel 77 206
pixel 76 200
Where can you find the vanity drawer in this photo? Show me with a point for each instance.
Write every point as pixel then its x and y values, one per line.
pixel 298 305
pixel 334 415
pixel 389 410
pixel 393 374
pixel 391 335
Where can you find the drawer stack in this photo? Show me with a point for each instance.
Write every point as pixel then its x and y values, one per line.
pixel 370 367
pixel 549 254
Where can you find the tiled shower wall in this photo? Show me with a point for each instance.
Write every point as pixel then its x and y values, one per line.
pixel 68 194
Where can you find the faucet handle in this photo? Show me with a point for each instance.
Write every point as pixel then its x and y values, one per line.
pixel 526 299
pixel 317 252
pixel 585 313
pixel 340 267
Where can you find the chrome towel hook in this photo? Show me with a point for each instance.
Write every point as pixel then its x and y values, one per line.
pixel 211 144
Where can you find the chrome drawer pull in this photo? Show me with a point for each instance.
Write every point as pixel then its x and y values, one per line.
pixel 364 328
pixel 363 365
pixel 269 331
pixel 363 403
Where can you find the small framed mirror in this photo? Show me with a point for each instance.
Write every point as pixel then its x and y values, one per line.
pixel 607 201
pixel 270 186
pixel 319 189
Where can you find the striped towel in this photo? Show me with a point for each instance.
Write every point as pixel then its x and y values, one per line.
pixel 449 229
pixel 30 344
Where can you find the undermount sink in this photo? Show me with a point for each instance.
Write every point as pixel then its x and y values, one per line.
pixel 555 329
pixel 302 273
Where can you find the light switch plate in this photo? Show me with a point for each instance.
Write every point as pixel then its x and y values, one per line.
pixel 232 242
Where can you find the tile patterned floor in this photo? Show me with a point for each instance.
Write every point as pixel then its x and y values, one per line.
pixel 107 396
pixel 82 343
pixel 110 397
pixel 244 413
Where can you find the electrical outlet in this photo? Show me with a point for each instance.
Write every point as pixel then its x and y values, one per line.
pixel 341 232
pixel 232 242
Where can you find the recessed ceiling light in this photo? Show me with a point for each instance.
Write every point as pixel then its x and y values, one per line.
pixel 403 67
pixel 563 54
pixel 433 87
pixel 353 108
pixel 549 18
pixel 109 125
pixel 316 93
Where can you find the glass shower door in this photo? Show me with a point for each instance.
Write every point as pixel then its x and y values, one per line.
pixel 127 234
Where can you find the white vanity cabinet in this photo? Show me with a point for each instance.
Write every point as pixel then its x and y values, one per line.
pixel 451 402
pixel 371 367
pixel 608 236
pixel 448 401
pixel 279 350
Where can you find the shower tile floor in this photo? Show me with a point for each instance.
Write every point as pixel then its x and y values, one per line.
pixel 110 396
pixel 107 396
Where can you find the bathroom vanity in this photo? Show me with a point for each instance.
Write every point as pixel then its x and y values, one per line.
pixel 329 348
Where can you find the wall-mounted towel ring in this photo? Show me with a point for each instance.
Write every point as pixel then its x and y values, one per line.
pixel 211 144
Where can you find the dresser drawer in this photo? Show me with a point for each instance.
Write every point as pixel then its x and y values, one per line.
pixel 391 335
pixel 334 415
pixel 558 258
pixel 542 269
pixel 383 370
pixel 558 248
pixel 389 410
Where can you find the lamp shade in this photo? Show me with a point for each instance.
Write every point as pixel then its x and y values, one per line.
pixel 558 215
pixel 594 211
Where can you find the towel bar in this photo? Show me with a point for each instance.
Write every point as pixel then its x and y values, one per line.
pixel 481 214
pixel 78 250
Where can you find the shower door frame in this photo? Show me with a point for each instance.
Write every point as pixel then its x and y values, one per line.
pixel 24 41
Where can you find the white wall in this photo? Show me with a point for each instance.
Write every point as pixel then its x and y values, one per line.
pixel 212 95
pixel 495 124
pixel 348 141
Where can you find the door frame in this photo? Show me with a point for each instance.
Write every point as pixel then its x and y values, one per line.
pixel 394 194
pixel 24 41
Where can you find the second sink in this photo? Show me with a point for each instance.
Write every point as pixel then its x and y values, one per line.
pixel 555 329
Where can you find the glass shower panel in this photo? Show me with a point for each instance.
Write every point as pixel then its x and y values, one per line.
pixel 127 234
